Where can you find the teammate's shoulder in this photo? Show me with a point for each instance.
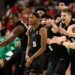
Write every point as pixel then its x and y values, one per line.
pixel 43 29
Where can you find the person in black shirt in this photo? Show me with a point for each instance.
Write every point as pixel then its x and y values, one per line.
pixel 53 50
pixel 66 22
pixel 37 37
pixel 60 54
pixel 19 30
pixel 70 34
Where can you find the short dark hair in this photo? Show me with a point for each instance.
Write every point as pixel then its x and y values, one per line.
pixel 64 1
pixel 40 8
pixel 46 16
pixel 35 14
pixel 13 15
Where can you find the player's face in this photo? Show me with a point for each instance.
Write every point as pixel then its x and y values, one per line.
pixel 65 17
pixel 44 21
pixel 32 20
pixel 13 20
pixel 62 6
pixel 40 12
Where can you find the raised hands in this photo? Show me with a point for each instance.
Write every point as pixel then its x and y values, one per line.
pixel 71 30
pixel 62 30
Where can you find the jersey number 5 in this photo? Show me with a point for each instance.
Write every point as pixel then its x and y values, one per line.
pixel 34 43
